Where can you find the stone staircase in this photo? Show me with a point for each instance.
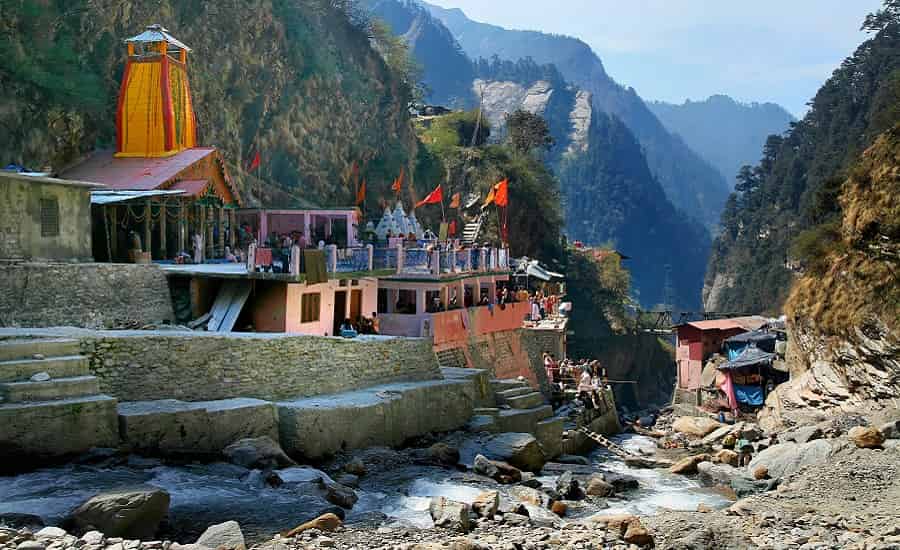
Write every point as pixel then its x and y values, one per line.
pixel 472 229
pixel 452 358
pixel 520 408
pixel 50 405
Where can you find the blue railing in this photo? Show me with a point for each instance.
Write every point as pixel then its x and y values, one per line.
pixel 385 258
pixel 350 260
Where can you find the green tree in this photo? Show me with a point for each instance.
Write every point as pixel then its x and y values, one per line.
pixel 527 132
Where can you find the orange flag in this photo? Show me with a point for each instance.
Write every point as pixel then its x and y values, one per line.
pixel 434 197
pixel 398 183
pixel 454 200
pixel 498 195
pixel 361 193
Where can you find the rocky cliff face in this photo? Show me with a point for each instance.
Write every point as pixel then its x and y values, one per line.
pixel 844 317
pixel 297 79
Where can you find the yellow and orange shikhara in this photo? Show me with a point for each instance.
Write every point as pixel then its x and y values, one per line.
pixel 155 114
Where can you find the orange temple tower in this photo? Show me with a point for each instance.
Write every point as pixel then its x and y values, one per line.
pixel 155 116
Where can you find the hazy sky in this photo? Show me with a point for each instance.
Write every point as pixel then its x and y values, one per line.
pixel 672 50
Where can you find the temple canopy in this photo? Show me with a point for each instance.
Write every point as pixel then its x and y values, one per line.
pixel 155 34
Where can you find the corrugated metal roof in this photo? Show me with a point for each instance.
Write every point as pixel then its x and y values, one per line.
pixel 192 188
pixel 134 174
pixel 744 323
pixel 108 197
pixel 157 33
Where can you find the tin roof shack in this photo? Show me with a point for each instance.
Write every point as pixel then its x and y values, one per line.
pixel 747 379
pixel 45 218
pixel 697 340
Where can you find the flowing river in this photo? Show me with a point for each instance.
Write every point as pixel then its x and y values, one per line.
pixel 212 493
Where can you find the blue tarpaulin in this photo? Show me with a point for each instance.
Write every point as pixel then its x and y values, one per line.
pixel 751 395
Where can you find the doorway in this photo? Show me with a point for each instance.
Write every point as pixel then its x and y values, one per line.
pixel 340 310
pixel 355 304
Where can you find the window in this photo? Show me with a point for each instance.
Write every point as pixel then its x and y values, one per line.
pixel 49 218
pixel 309 307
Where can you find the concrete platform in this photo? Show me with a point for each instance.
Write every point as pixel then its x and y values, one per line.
pixel 316 427
pixel 172 427
pixel 51 429
pixel 526 401
pixel 522 420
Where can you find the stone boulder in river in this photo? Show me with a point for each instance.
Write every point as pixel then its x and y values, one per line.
pixel 486 504
pixel 325 522
pixel 260 453
pixel 697 426
pixel 500 472
pixel 133 513
pixel 688 464
pixel 521 450
pixel 450 514
pixel 223 536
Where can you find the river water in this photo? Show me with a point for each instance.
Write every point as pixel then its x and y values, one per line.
pixel 212 493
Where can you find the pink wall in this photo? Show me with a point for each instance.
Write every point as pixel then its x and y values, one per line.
pixel 325 324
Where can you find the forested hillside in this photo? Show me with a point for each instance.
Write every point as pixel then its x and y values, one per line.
pixel 725 132
pixel 611 196
pixel 691 183
pixel 446 72
pixel 298 79
pixel 785 212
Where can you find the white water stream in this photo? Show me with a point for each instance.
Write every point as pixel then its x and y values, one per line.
pixel 206 494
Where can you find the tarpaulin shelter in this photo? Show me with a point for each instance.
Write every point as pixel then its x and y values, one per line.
pixel 760 339
pixel 747 376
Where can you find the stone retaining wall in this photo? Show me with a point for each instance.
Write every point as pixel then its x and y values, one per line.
pixel 87 295
pixel 207 366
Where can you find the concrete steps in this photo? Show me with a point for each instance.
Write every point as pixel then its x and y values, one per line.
pixel 503 395
pixel 61 416
pixel 51 390
pixel 67 366
pixel 526 401
pixel 11 350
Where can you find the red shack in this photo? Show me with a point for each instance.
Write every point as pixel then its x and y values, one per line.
pixel 697 340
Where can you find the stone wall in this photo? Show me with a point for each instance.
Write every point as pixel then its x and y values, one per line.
pixel 536 342
pixel 87 295
pixel 65 231
pixel 206 366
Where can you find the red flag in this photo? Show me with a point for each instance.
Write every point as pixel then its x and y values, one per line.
pixel 254 164
pixel 398 183
pixel 501 193
pixel 361 193
pixel 434 197
pixel 454 200
pixel 498 194
pixel 452 230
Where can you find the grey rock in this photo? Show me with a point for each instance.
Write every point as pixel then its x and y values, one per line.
pixel 40 377
pixel 542 516
pixel 804 434
pixel 744 487
pixel 891 430
pixel 133 513
pixel 30 545
pixel 497 470
pixel 226 536
pixel 717 474
pixel 622 482
pixel 568 487
pixel 258 453
pixel 521 450
pixel 340 495
pixel 598 487
pixel 786 459
pixel 450 514
pixel 573 459
pixel 348 480
pixel 51 532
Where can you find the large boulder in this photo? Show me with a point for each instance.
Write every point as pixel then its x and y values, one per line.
pixel 599 487
pixel 486 504
pixel 340 495
pixel 804 434
pixel 450 514
pixel 891 430
pixel 500 472
pixel 688 464
pixel 541 516
pixel 726 456
pixel 637 534
pixel 697 426
pixel 439 454
pixel 717 474
pixel 223 536
pixel 786 459
pixel 518 449
pixel 866 437
pixel 133 513
pixel 529 495
pixel 568 487
pixel 261 453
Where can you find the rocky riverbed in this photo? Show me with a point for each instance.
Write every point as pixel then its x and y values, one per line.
pixel 835 485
